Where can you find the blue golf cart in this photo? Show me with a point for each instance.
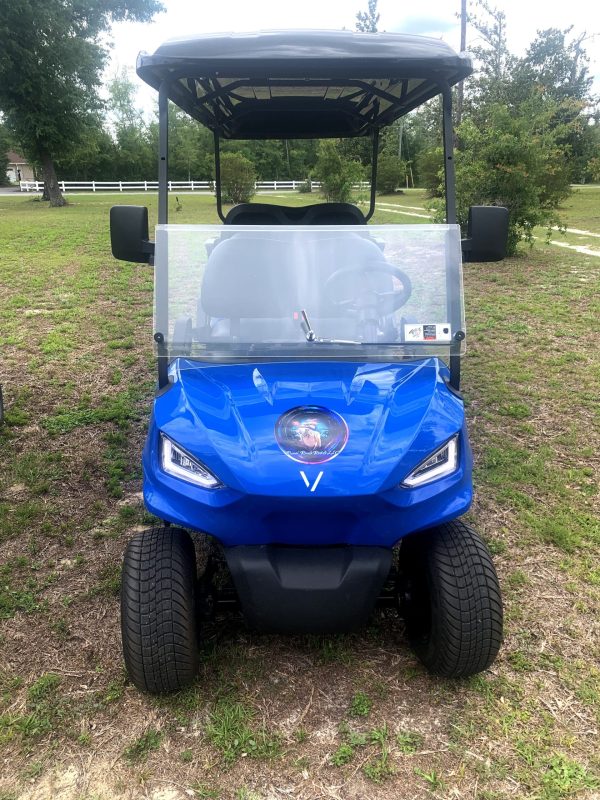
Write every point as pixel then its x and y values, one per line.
pixel 307 419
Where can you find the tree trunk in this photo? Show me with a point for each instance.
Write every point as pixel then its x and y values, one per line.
pixel 51 187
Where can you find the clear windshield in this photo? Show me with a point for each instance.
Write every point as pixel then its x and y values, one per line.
pixel 370 293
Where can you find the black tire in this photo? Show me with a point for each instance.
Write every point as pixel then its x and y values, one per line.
pixel 450 600
pixel 158 613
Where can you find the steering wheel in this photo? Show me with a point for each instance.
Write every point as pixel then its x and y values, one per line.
pixel 383 302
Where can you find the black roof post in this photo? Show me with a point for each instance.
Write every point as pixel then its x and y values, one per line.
pixel 218 174
pixel 449 176
pixel 374 155
pixel 163 153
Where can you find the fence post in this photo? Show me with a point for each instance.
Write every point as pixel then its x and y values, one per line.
pixel 93 186
pixel 120 186
pixel 145 186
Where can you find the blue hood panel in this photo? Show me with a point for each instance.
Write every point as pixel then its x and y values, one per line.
pixel 225 416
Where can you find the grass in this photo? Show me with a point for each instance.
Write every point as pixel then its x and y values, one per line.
pixel 360 705
pixel 231 731
pixel 140 749
pixel 275 715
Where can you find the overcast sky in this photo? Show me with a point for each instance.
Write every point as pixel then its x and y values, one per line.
pixel 438 18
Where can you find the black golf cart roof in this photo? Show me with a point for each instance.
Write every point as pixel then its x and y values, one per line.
pixel 301 84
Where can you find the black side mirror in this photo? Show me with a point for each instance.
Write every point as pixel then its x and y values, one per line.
pixel 487 234
pixel 129 234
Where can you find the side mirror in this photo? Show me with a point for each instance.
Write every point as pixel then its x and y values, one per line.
pixel 129 234
pixel 487 234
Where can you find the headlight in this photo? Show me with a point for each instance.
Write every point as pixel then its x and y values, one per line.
pixel 443 462
pixel 177 462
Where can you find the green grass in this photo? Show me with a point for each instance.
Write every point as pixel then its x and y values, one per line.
pixel 140 749
pixel 231 730
pixel 409 741
pixel 360 705
pixel 46 711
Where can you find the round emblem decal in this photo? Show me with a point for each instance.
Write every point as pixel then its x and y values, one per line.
pixel 311 434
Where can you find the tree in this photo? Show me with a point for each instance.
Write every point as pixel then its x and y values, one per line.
pixel 135 151
pixel 51 63
pixel 525 132
pixel 367 21
pixel 493 58
pixel 238 177
pixel 336 174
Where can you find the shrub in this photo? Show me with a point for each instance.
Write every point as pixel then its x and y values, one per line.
pixel 337 175
pixel 238 177
pixel 513 161
pixel 430 166
pixel 306 186
pixel 391 174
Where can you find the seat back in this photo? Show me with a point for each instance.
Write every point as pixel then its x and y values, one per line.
pixel 317 214
pixel 248 276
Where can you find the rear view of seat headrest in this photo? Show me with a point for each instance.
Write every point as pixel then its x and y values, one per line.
pixel 318 214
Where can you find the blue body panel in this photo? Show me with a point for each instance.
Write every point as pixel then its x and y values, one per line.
pixel 225 416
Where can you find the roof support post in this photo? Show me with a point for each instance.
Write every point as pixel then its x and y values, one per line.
pixel 163 153
pixel 374 155
pixel 218 174
pixel 162 259
pixel 449 176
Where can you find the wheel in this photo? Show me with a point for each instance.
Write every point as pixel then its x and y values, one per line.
pixel 158 612
pixel 450 599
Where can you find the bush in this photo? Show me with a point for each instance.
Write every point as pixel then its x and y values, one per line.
pixel 238 177
pixel 337 175
pixel 429 167
pixel 593 168
pixel 306 186
pixel 391 174
pixel 512 161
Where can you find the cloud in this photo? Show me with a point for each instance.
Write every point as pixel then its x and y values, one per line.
pixel 424 25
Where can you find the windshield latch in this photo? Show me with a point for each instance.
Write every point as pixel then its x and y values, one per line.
pixel 311 336
pixel 308 331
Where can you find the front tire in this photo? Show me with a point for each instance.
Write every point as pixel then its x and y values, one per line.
pixel 158 613
pixel 450 600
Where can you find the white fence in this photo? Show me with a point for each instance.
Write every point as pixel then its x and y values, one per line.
pixel 174 186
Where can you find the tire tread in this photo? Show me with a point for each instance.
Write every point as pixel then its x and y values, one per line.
pixel 158 619
pixel 466 606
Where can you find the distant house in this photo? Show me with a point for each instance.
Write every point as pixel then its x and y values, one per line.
pixel 18 169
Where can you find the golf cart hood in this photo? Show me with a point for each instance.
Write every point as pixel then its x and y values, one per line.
pixel 365 426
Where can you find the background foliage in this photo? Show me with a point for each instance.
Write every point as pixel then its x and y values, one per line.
pixel 529 126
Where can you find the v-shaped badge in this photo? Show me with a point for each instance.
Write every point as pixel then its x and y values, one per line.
pixel 307 482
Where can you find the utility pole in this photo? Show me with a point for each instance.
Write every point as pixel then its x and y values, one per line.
pixel 463 47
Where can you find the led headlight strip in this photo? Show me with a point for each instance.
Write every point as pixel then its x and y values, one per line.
pixel 443 461
pixel 177 462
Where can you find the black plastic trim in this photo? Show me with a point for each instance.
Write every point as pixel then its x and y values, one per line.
pixel 307 589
